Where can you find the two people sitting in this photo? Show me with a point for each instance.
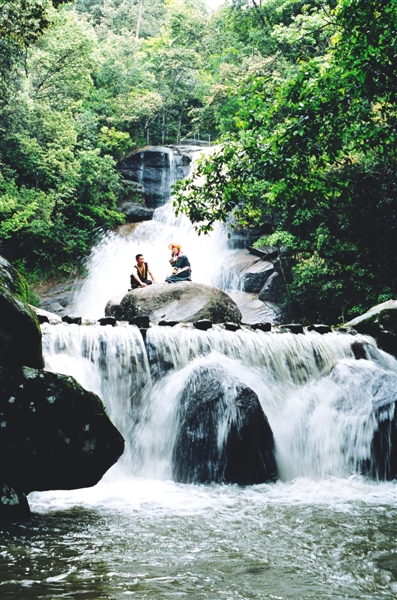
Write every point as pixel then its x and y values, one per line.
pixel 181 270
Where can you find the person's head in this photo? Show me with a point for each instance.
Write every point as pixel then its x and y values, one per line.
pixel 139 258
pixel 175 249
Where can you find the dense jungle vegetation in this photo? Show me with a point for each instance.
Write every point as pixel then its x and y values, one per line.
pixel 300 94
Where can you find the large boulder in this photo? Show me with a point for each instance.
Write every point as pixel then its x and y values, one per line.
pixel 185 301
pixel 224 435
pixel 55 435
pixel 368 397
pixel 136 213
pixel 253 271
pixel 380 322
pixel 20 334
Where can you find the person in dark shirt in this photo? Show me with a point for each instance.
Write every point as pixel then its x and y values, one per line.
pixel 181 270
pixel 140 273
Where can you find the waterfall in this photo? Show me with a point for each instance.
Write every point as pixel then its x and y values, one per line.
pixel 317 397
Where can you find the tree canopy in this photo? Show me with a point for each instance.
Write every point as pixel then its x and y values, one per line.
pixel 300 95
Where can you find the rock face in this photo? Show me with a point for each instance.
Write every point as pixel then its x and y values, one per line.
pixel 274 289
pixel 136 213
pixel 185 301
pixel 252 270
pixel 380 322
pixel 55 434
pixel 223 436
pixel 150 167
pixel 20 335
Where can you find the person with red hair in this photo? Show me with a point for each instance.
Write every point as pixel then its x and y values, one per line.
pixel 181 270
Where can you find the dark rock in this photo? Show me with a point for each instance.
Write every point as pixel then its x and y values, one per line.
pixel 72 320
pixel 136 213
pixel 150 167
pixel 319 328
pixel 107 321
pixel 262 326
pixel 223 435
pixel 231 326
pixel 42 318
pixel 14 505
pixel 266 253
pixel 380 322
pixel 359 350
pixel 168 323
pixel 274 289
pixel 292 327
pixel 183 302
pixel 203 324
pixel 141 321
pixel 20 334
pixel 55 434
pixel 368 396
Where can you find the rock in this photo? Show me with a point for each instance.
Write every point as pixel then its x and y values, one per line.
pixel 319 328
pixel 107 321
pixel 20 334
pixel 14 505
pixel 262 326
pixel 183 302
pixel 274 289
pixel 140 322
pixel 44 316
pixel 231 326
pixel 368 396
pixel 380 322
pixel 203 324
pixel 168 323
pixel 266 252
pixel 359 350
pixel 72 320
pixel 292 327
pixel 55 434
pixel 254 310
pixel 223 435
pixel 252 271
pixel 136 213
pixel 150 167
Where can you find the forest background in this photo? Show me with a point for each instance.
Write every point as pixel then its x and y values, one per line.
pixel 300 94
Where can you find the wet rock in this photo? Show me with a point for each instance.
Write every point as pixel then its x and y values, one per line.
pixel 223 435
pixel 274 289
pixel 72 319
pixel 203 324
pixel 20 334
pixel 168 323
pixel 231 326
pixel 136 213
pixel 266 253
pixel 292 327
pixel 368 396
pixel 107 321
pixel 150 167
pixel 14 505
pixel 380 322
pixel 253 271
pixel 55 434
pixel 262 326
pixel 140 321
pixel 183 302
pixel 319 328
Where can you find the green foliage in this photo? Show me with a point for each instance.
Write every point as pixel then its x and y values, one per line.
pixel 316 156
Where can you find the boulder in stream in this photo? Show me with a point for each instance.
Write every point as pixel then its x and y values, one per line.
pixel 185 301
pixel 55 435
pixel 380 322
pixel 224 435
pixel 20 334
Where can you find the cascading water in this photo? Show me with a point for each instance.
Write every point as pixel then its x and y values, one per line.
pixel 322 531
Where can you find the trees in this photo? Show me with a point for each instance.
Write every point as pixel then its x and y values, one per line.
pixel 315 156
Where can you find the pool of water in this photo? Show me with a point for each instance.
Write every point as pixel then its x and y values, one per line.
pixel 128 537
